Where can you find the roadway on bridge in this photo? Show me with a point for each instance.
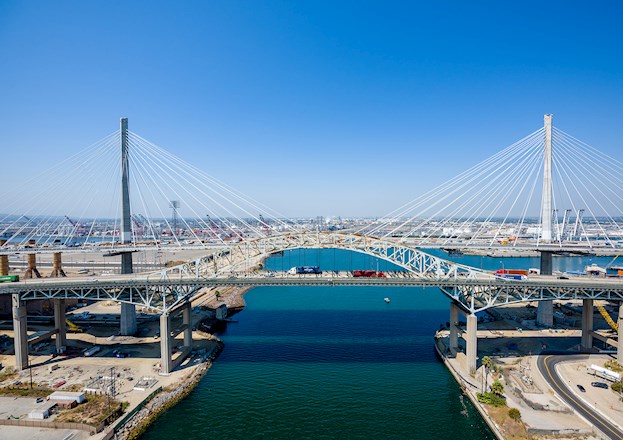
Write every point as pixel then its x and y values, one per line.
pixel 547 367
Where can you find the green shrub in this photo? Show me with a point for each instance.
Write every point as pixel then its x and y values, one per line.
pixel 617 387
pixel 491 399
pixel 614 366
pixel 514 414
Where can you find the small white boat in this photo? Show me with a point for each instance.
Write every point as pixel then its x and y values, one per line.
pixel 595 270
pixel 386 300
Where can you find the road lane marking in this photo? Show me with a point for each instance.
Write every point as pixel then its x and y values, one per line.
pixel 595 417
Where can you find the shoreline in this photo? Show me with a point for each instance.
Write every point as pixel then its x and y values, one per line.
pixel 464 385
pixel 160 402
pixel 156 405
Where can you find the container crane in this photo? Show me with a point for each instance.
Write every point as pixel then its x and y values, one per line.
pixel 264 225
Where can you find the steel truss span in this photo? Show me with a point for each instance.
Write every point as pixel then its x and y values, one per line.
pixel 474 290
pixel 233 259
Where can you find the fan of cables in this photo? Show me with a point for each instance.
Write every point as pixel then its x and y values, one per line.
pixel 499 200
pixel 78 202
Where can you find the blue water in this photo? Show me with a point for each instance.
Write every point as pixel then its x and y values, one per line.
pixel 333 362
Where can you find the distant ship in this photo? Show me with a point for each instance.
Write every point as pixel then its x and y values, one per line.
pixel 452 251
pixel 386 300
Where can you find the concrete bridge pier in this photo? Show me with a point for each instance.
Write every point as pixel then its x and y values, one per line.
pixel 31 270
pixel 4 262
pixel 57 267
pixel 165 344
pixel 186 322
pixel 59 325
pixel 620 343
pixel 587 324
pixel 127 321
pixel 471 343
pixel 20 338
pixel 454 328
pixel 545 310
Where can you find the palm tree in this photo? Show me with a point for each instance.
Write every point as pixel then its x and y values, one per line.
pixel 497 388
pixel 487 363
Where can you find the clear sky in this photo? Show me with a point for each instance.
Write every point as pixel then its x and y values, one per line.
pixel 314 108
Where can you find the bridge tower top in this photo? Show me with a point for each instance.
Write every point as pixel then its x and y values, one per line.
pixel 546 203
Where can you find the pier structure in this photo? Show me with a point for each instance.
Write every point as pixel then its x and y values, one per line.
pixel 57 266
pixel 587 324
pixel 167 334
pixel 4 261
pixel 470 336
pixel 31 269
pixel 20 336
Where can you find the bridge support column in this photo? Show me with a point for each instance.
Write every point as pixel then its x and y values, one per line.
pixel 620 344
pixel 545 313
pixel 59 325
pixel 4 261
pixel 165 344
pixel 454 328
pixel 31 270
pixel 545 310
pixel 20 338
pixel 471 343
pixel 128 319
pixel 188 330
pixel 587 324
pixel 57 267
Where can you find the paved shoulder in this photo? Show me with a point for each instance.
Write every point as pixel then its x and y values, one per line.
pixel 547 367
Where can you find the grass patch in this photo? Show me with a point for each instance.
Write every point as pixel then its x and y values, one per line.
pixel 7 373
pixel 25 391
pixel 94 411
pixel 614 366
pixel 512 429
pixel 514 414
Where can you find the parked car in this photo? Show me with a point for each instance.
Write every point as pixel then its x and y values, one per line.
pixel 581 388
pixel 600 385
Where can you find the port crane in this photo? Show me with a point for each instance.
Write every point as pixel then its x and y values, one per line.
pixel 138 224
pixel 265 226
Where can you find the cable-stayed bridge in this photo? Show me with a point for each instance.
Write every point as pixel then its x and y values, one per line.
pixel 493 204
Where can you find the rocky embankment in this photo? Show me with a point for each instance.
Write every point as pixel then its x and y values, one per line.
pixel 164 400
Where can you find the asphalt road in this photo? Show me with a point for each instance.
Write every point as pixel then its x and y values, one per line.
pixel 547 367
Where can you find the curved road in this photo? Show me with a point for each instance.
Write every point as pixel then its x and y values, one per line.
pixel 547 366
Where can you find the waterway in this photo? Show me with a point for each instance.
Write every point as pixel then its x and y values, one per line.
pixel 334 362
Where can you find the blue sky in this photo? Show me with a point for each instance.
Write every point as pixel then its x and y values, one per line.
pixel 314 108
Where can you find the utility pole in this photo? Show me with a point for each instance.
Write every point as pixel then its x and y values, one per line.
pixel 111 389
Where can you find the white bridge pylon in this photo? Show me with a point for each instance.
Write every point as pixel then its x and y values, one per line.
pixel 233 259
